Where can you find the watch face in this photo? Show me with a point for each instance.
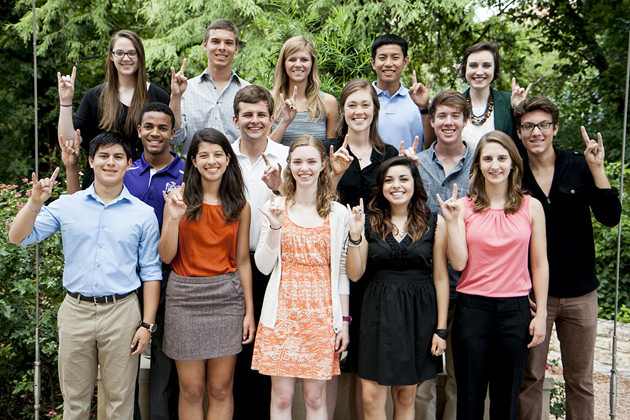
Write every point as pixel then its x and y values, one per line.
pixel 153 328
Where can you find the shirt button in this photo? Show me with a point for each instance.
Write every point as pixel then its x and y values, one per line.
pixel 98 265
pixel 95 284
pixel 572 191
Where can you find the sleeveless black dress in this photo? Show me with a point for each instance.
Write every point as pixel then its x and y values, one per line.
pixel 399 311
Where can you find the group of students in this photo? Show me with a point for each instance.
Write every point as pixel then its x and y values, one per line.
pixel 291 235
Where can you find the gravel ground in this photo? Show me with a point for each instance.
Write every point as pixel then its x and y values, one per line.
pixel 602 393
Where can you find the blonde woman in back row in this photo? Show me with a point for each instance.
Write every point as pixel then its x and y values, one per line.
pixel 301 108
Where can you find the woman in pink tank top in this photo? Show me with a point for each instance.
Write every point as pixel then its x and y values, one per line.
pixel 492 234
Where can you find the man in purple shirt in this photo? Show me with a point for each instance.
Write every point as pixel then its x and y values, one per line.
pixel 158 170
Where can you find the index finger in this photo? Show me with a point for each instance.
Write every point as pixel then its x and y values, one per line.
pixel 182 187
pixel 265 159
pixel 414 79
pixel 401 148
pixel 345 142
pixel 428 79
pixel 585 136
pixel 74 74
pixel 528 88
pixel 183 68
pixel 295 93
pixel 54 175
pixel 454 191
pixel 513 83
pixel 361 204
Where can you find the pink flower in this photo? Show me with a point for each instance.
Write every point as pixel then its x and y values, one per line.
pixel 18 194
pixel 24 179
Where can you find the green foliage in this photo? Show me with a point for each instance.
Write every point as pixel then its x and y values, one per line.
pixel 606 254
pixel 17 316
pixel 557 395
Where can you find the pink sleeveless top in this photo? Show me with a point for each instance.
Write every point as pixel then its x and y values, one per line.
pixel 498 250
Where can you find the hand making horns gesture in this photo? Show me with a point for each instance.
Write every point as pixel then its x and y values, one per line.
pixel 175 203
pixel 274 213
pixel 179 82
pixel 289 107
pixel 340 160
pixel 410 152
pixel 451 207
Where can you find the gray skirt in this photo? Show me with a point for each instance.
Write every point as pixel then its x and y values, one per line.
pixel 204 317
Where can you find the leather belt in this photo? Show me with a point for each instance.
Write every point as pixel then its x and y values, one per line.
pixel 100 299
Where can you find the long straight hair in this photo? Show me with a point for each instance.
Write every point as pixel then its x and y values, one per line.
pixel 232 188
pixel 477 185
pixel 342 127
pixel 281 82
pixel 326 192
pixel 380 214
pixel 109 101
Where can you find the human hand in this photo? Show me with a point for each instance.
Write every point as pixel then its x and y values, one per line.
pixel 179 82
pixel 438 345
pixel 66 87
pixel 42 189
pixel 274 213
pixel 532 306
pixel 518 93
pixel 70 149
pixel 357 220
pixel 538 330
pixel 342 339
pixel 594 152
pixel 451 207
pixel 410 152
pixel 272 175
pixel 289 107
pixel 249 328
pixel 175 203
pixel 141 338
pixel 419 93
pixel 340 160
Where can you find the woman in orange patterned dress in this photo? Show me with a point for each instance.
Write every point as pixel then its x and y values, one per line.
pixel 304 325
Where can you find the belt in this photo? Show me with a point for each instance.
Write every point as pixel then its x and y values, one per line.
pixel 100 299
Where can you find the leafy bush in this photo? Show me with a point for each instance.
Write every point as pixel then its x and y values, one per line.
pixel 606 254
pixel 17 312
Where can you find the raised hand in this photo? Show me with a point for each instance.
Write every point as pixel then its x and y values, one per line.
pixel 274 213
pixel 272 176
pixel 70 149
pixel 419 93
pixel 518 93
pixel 594 152
pixel 289 107
pixel 42 189
pixel 340 160
pixel 66 87
pixel 451 207
pixel 357 220
pixel 179 82
pixel 410 152
pixel 175 203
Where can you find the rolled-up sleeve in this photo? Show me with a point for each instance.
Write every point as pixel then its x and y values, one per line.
pixel 148 257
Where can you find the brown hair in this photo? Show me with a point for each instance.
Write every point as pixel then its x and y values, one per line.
pixel 342 127
pixel 252 94
pixel 316 106
pixel 450 97
pixel 109 103
pixel 224 24
pixel 482 46
pixel 380 210
pixel 477 184
pixel 532 104
pixel 326 191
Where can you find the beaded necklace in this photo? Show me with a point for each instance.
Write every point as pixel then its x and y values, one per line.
pixel 481 119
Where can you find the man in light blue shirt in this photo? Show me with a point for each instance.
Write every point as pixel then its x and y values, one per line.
pixel 445 163
pixel 110 247
pixel 404 111
pixel 207 101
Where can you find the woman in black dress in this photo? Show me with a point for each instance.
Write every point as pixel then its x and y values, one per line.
pixel 403 317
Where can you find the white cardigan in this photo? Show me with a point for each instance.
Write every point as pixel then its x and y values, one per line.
pixel 268 259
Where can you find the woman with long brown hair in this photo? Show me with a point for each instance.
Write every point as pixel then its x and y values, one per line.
pixel 301 108
pixel 112 106
pixel 400 250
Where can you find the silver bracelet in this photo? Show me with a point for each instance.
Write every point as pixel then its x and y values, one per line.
pixel 273 228
pixel 32 209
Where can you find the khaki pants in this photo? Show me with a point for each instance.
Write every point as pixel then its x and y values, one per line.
pixel 576 326
pixel 92 334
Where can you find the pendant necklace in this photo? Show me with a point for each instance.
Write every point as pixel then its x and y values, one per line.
pixel 481 119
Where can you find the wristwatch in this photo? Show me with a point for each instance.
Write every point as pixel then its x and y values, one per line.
pixel 151 327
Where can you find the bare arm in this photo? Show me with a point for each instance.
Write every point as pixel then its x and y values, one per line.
pixel 356 260
pixel 151 297
pixel 440 280
pixel 245 273
pixel 179 83
pixel 540 272
pixel 332 115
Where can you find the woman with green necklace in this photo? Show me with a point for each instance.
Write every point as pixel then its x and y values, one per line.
pixel 489 109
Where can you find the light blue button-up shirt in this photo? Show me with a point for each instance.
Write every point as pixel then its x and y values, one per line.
pixel 102 244
pixel 399 118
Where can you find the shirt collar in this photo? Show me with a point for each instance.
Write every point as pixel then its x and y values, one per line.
pixel 468 154
pixel 90 193
pixel 402 91
pixel 205 76
pixel 272 148
pixel 172 168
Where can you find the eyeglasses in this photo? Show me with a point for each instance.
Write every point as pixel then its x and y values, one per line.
pixel 541 126
pixel 121 54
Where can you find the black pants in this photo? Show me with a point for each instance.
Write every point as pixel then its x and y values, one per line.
pixel 252 391
pixel 490 337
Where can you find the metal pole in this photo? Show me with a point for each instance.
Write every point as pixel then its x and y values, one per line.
pixel 37 380
pixel 613 370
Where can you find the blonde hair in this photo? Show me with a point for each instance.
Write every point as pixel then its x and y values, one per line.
pixel 477 184
pixel 281 82
pixel 109 102
pixel 326 191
